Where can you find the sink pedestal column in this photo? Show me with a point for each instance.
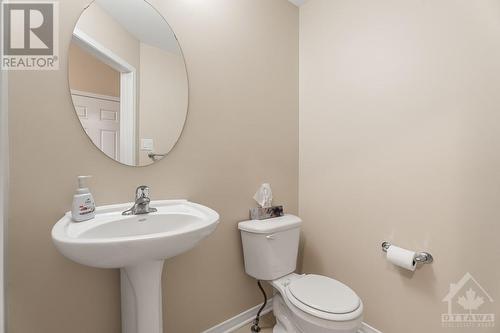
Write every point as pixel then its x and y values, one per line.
pixel 142 298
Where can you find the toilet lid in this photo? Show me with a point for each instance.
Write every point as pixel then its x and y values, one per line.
pixel 325 294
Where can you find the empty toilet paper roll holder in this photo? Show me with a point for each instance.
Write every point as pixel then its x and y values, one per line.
pixel 420 258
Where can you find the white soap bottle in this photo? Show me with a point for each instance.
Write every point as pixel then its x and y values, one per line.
pixel 83 208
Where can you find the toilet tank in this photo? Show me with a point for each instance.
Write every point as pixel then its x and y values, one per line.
pixel 270 246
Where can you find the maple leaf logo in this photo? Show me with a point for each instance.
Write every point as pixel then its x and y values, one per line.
pixel 470 301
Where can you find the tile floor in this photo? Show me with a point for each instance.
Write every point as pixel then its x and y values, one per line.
pixel 266 324
pixel 246 329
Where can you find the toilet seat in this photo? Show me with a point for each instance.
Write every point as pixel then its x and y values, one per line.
pixel 324 298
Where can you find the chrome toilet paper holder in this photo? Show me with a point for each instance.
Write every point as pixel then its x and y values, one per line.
pixel 421 257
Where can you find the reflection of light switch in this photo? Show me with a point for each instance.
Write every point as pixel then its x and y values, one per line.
pixel 147 144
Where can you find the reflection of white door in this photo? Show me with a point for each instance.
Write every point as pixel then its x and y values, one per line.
pixel 100 117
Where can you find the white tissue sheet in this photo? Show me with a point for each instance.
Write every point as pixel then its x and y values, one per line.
pixel 264 196
pixel 402 257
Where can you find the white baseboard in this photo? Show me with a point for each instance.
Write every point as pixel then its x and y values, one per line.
pixel 368 329
pixel 247 316
pixel 241 320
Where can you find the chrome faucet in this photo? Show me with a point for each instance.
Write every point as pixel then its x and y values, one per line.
pixel 141 205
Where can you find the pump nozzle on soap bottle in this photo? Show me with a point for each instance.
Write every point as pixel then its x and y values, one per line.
pixel 83 207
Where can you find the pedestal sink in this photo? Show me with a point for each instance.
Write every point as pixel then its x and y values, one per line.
pixel 138 245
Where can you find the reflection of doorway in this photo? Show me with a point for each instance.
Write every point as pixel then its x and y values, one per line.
pixel 100 117
pixel 126 143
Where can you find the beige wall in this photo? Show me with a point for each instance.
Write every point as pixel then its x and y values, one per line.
pixel 400 141
pixel 243 67
pixel 87 73
pixel 163 99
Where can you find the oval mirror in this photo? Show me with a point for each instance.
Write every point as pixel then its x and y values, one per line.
pixel 128 80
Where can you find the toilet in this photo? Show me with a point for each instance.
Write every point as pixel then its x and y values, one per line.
pixel 306 303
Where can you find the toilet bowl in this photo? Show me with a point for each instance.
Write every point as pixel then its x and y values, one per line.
pixel 328 308
pixel 304 303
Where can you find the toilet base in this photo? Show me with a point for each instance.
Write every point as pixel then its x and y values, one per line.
pixel 282 315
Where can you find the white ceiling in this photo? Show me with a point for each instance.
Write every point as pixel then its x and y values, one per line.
pixel 143 21
pixel 298 2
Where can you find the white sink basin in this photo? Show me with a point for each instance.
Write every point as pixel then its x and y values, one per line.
pixel 138 245
pixel 115 241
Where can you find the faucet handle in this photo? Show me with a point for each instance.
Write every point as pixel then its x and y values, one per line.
pixel 142 192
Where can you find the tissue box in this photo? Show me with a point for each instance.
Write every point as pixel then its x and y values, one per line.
pixel 261 213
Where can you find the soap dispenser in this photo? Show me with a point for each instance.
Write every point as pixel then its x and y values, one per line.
pixel 83 208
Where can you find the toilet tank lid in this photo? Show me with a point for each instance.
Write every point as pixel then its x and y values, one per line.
pixel 270 226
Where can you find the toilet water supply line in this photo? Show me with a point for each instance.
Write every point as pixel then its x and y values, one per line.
pixel 256 327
